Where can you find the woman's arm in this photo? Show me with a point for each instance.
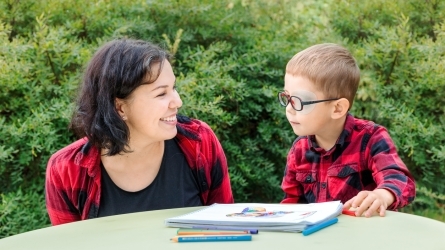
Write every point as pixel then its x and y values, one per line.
pixel 220 190
pixel 58 204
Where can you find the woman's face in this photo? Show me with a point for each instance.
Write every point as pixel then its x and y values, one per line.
pixel 150 111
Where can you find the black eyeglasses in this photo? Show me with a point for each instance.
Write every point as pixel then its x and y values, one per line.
pixel 296 102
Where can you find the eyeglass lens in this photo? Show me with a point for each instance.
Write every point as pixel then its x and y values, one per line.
pixel 295 102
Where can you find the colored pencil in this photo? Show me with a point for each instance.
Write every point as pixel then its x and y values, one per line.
pixel 209 238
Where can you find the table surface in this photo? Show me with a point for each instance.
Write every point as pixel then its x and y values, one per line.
pixel 146 230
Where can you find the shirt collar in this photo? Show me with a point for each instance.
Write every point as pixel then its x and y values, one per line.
pixel 347 131
pixel 88 157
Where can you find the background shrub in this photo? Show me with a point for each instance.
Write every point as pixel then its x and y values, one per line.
pixel 229 61
pixel 400 48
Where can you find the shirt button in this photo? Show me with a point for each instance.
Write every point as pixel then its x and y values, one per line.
pixel 323 185
pixel 308 178
pixel 204 184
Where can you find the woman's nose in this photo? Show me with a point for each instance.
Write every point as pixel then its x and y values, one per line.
pixel 176 101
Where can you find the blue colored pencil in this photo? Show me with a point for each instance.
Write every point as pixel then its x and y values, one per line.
pixel 317 227
pixel 208 238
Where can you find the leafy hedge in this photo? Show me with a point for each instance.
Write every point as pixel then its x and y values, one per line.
pixel 229 61
pixel 400 48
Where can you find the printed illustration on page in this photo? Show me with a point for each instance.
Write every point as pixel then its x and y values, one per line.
pixel 261 212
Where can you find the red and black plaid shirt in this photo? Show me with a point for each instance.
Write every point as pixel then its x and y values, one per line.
pixel 73 175
pixel 363 158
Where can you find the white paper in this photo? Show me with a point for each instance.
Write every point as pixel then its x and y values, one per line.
pixel 275 217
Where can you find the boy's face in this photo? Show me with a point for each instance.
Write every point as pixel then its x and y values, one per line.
pixel 313 119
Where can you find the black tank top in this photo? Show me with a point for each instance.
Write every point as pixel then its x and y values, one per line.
pixel 173 187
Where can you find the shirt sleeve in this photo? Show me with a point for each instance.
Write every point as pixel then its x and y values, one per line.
pixel 293 190
pixel 220 190
pixel 60 209
pixel 389 171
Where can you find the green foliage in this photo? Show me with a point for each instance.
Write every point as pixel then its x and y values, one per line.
pixel 403 88
pixel 229 62
pixel 428 204
pixel 39 75
pixel 22 211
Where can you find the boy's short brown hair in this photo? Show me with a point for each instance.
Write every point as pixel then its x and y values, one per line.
pixel 330 67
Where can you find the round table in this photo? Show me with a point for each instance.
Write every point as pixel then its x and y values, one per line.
pixel 146 230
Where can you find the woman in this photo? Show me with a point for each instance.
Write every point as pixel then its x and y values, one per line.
pixel 137 153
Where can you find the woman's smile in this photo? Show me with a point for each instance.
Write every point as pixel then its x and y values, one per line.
pixel 169 120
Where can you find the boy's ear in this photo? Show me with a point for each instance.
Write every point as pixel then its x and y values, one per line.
pixel 341 107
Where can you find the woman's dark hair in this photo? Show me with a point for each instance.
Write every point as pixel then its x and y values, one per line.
pixel 115 71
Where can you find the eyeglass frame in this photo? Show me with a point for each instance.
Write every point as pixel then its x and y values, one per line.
pixel 288 97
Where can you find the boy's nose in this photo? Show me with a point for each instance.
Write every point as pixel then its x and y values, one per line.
pixel 290 109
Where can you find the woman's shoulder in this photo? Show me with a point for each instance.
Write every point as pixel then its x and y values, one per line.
pixel 75 154
pixel 70 149
pixel 192 128
pixel 191 123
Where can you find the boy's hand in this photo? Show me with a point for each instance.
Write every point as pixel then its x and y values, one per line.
pixel 368 202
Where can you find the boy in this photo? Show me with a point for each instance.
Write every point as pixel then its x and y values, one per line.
pixel 337 156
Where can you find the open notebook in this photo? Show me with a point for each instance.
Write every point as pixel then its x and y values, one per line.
pixel 261 216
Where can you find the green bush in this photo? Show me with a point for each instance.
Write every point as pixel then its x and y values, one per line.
pixel 38 78
pixel 22 211
pixel 229 61
pixel 402 61
pixel 399 46
pixel 39 74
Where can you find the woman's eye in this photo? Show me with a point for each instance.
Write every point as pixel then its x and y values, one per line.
pixel 163 94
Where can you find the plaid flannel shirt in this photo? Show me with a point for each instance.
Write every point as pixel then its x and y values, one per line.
pixel 363 158
pixel 73 175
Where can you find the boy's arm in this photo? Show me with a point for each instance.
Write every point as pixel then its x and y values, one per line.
pixel 389 171
pixel 293 190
